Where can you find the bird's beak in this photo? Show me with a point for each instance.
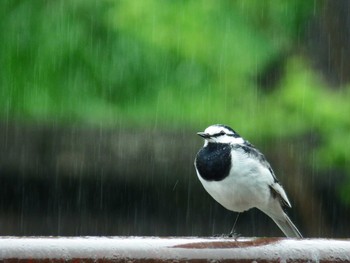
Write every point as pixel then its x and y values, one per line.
pixel 204 135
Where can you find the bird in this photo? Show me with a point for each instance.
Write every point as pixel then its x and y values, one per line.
pixel 237 175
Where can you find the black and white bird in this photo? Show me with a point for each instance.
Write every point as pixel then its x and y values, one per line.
pixel 238 176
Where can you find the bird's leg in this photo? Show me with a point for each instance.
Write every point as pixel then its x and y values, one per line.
pixel 232 232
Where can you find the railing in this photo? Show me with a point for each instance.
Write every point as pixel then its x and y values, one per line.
pixel 173 249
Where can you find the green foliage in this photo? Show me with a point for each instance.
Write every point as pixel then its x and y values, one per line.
pixel 168 63
pixel 140 62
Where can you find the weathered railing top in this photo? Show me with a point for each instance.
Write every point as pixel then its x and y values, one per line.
pixel 174 249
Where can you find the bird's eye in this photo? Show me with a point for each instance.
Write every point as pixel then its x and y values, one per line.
pixel 222 133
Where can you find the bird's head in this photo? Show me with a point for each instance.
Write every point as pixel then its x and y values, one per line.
pixel 220 133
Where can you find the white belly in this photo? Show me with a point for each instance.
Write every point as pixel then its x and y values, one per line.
pixel 246 187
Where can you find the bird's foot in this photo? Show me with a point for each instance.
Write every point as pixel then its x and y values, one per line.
pixel 234 235
pixel 229 235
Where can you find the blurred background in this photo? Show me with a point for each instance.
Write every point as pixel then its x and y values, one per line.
pixel 100 102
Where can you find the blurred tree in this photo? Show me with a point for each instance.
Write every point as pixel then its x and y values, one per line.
pixel 62 61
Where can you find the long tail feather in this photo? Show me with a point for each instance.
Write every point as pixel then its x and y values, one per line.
pixel 287 226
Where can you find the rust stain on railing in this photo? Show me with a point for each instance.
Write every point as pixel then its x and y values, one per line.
pixel 229 243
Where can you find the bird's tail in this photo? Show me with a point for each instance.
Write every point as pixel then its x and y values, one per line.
pixel 287 226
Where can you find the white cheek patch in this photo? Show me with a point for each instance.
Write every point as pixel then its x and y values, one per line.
pixel 238 140
pixel 228 139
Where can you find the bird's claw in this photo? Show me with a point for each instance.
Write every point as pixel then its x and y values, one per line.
pixel 229 235
pixel 234 235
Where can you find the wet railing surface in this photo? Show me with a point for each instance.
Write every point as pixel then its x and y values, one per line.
pixel 172 249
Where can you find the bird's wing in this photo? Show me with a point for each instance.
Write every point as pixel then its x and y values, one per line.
pixel 278 191
pixel 275 187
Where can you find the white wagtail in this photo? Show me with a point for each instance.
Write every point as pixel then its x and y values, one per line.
pixel 238 176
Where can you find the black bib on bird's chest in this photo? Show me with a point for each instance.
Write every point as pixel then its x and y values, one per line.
pixel 213 162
